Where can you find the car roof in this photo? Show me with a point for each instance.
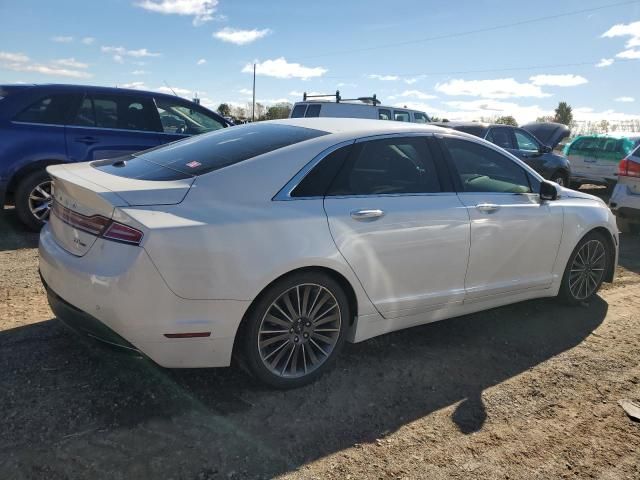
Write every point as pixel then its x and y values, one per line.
pixel 351 104
pixel 629 135
pixel 62 87
pixel 359 126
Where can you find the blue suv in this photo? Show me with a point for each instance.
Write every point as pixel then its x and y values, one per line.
pixel 42 125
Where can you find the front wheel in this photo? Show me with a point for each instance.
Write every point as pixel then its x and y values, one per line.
pixel 586 269
pixel 33 199
pixel 296 329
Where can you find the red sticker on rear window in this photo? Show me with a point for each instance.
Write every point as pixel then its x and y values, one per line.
pixel 193 164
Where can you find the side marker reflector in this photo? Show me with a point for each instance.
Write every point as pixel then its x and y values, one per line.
pixel 188 335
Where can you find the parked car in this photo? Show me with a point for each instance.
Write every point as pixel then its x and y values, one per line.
pixel 595 158
pixel 533 144
pixel 363 107
pixel 625 199
pixel 279 240
pixel 42 125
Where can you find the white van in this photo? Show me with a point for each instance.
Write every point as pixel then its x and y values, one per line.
pixel 367 107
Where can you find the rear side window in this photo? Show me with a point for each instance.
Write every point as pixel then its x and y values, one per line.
pixel 482 169
pixel 401 116
pixel 384 114
pixel 388 166
pixel 117 112
pixel 318 180
pixel 313 111
pixel 500 136
pixel 298 111
pixel 205 153
pixel 50 110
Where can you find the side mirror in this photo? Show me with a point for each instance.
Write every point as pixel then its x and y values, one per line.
pixel 548 191
pixel 545 149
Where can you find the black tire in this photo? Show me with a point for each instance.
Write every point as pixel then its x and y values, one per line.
pixel 560 178
pixel 634 228
pixel 21 200
pixel 575 185
pixel 566 294
pixel 253 353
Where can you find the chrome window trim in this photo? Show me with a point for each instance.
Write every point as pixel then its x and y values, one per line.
pixel 151 132
pixel 36 123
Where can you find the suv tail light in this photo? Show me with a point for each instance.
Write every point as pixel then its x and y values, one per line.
pixel 628 168
pixel 98 225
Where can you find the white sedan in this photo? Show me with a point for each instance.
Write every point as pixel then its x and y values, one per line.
pixel 277 241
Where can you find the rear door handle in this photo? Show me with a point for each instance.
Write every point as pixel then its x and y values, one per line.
pixel 367 214
pixel 86 140
pixel 488 207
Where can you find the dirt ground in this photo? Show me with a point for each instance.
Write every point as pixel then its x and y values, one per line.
pixel 524 391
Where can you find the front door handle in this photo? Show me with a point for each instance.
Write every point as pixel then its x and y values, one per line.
pixel 487 207
pixel 366 214
pixel 86 140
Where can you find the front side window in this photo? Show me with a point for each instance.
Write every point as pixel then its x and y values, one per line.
pixel 384 114
pixel 525 141
pixel 116 112
pixel 51 110
pixel 420 117
pixel 180 118
pixel 500 136
pixel 401 116
pixel 387 166
pixel 482 169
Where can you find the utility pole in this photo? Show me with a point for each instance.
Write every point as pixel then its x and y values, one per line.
pixel 253 108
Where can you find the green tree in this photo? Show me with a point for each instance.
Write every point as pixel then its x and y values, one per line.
pixel 224 109
pixel 278 110
pixel 545 119
pixel 507 120
pixel 564 114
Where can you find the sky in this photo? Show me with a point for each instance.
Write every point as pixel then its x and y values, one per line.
pixel 458 60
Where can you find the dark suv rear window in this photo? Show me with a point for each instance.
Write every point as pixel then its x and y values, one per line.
pixel 210 151
pixel 49 110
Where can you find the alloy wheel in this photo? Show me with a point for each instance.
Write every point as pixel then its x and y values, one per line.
pixel 587 269
pixel 559 180
pixel 299 331
pixel 40 200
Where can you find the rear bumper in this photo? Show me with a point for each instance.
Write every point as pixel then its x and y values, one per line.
pixel 114 293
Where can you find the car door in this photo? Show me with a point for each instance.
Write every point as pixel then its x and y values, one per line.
pixel 514 236
pixel 397 223
pixel 180 119
pixel 528 149
pixel 112 125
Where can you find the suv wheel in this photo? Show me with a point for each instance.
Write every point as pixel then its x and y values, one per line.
pixel 33 199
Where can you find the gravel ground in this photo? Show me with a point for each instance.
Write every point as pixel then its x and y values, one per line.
pixel 524 391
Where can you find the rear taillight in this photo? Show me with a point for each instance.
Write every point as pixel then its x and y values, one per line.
pixel 98 225
pixel 628 168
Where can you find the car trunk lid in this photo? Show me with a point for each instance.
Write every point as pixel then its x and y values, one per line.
pixel 549 133
pixel 85 199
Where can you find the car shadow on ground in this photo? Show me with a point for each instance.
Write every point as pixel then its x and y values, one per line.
pixel 68 393
pixel 13 234
pixel 630 252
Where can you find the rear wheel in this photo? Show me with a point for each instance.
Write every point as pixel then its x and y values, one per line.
pixel 33 199
pixel 586 268
pixel 296 329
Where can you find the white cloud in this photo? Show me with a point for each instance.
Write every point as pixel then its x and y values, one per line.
pixel 201 10
pixel 135 85
pixel 62 39
pixel 120 52
pixel 139 72
pixel 183 92
pixel 280 68
pixel 202 61
pixel 414 94
pixel 245 91
pixel 240 37
pixel 625 99
pixel 567 80
pixel 497 88
pixel 605 62
pixel 384 78
pixel 70 62
pixel 590 115
pixel 51 70
pixel 631 30
pixel 343 84
pixel 13 57
pixel 88 40
pixel 630 54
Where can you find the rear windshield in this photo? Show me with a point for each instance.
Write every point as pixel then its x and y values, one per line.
pixel 478 131
pixel 208 152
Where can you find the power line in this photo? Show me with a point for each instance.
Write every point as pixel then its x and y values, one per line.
pixel 478 30
pixel 490 70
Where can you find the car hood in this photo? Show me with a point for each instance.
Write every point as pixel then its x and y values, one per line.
pixel 569 193
pixel 551 134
